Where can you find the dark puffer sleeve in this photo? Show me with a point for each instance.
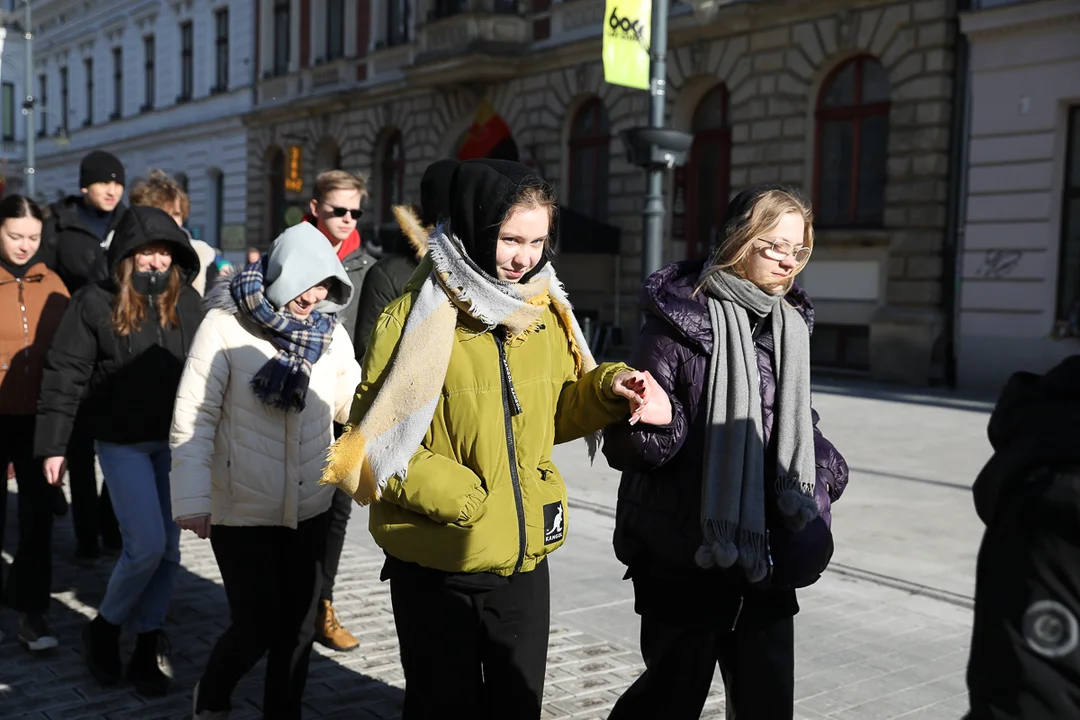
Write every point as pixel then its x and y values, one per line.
pixel 831 466
pixel 68 367
pixel 641 448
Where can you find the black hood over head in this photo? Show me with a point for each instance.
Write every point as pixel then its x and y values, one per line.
pixel 435 191
pixel 143 225
pixel 1035 424
pixel 481 193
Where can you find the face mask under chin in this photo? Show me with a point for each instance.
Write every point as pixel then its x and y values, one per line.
pixel 149 282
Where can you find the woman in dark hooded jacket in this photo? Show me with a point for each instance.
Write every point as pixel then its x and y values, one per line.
pixel 121 345
pixel 724 512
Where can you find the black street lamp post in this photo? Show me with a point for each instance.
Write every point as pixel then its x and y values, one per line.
pixel 655 148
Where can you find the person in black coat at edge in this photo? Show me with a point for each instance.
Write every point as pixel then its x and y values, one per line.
pixel 386 281
pixel 1025 645
pixel 120 348
pixel 76 234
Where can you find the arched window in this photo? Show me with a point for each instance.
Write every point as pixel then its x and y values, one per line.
pixel 391 176
pixel 327 155
pixel 275 196
pixel 852 145
pixel 709 172
pixel 590 140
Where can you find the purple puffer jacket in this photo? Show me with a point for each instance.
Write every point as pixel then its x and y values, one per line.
pixel 659 510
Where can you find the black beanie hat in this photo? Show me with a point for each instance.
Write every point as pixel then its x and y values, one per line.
pixel 742 204
pixel 481 193
pixel 435 192
pixel 100 166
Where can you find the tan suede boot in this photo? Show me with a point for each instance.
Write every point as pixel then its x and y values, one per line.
pixel 329 632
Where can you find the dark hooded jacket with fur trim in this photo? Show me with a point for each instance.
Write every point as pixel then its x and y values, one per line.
pixel 658 527
pixel 129 382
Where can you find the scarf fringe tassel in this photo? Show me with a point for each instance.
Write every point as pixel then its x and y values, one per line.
pixel 726 545
pixel 796 502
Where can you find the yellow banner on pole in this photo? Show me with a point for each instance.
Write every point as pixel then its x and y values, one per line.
pixel 627 34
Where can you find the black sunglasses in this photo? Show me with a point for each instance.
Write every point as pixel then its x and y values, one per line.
pixel 341 212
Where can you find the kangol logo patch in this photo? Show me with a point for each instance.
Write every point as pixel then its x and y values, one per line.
pixel 554 524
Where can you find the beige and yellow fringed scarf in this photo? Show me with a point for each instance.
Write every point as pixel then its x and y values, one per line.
pixel 380 447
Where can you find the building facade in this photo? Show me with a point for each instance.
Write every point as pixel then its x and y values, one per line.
pixel 849 101
pixel 12 94
pixel 1020 272
pixel 160 84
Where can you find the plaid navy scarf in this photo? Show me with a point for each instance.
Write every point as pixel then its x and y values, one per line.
pixel 283 381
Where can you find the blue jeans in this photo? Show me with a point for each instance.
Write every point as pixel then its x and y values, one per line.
pixel 141 585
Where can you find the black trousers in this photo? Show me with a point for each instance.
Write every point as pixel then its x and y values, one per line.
pixel 340 510
pixel 757 661
pixel 472 652
pixel 272 577
pixel 30 579
pixel 91 514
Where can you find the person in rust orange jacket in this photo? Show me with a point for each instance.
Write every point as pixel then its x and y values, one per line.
pixel 32 300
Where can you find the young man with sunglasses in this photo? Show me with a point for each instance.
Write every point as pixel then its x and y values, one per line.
pixel 335 211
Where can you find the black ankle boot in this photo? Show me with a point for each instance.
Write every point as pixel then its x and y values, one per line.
pixel 149 670
pixel 101 650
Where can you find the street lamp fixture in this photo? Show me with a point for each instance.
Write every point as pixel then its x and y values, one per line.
pixel 655 148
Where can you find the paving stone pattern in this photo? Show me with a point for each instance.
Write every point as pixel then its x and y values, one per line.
pixel 585 674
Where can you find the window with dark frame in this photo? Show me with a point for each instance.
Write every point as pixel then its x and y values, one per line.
pixel 42 104
pixel 1068 295
pixel 590 142
pixel 64 96
pixel 282 33
pixel 149 81
pixel 187 61
pixel 221 43
pixel 8 101
pixel 219 205
pixel 275 177
pixel 391 177
pixel 709 181
pixel 397 22
pixel 852 145
pixel 88 70
pixel 335 29
pixel 118 83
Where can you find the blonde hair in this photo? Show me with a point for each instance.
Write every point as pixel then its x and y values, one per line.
pixel 741 231
pixel 332 180
pixel 162 192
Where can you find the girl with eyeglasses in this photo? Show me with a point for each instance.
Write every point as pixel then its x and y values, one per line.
pixel 724 510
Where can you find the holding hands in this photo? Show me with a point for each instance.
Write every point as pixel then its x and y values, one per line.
pixel 649 403
pixel 198 524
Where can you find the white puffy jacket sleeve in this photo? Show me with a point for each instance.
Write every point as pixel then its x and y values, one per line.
pixel 195 419
pixel 348 374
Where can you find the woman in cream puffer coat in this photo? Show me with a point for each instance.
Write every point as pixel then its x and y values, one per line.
pixel 268 373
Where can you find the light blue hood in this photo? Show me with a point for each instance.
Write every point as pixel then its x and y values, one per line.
pixel 300 259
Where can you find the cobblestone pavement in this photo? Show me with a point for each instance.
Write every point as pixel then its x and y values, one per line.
pixel 864 651
pixel 883 636
pixel 585 673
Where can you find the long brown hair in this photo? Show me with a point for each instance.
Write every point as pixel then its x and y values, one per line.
pixel 765 212
pixel 129 307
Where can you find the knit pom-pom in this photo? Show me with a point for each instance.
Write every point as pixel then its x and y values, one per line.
pixel 798 510
pixel 725 553
pixel 704 558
